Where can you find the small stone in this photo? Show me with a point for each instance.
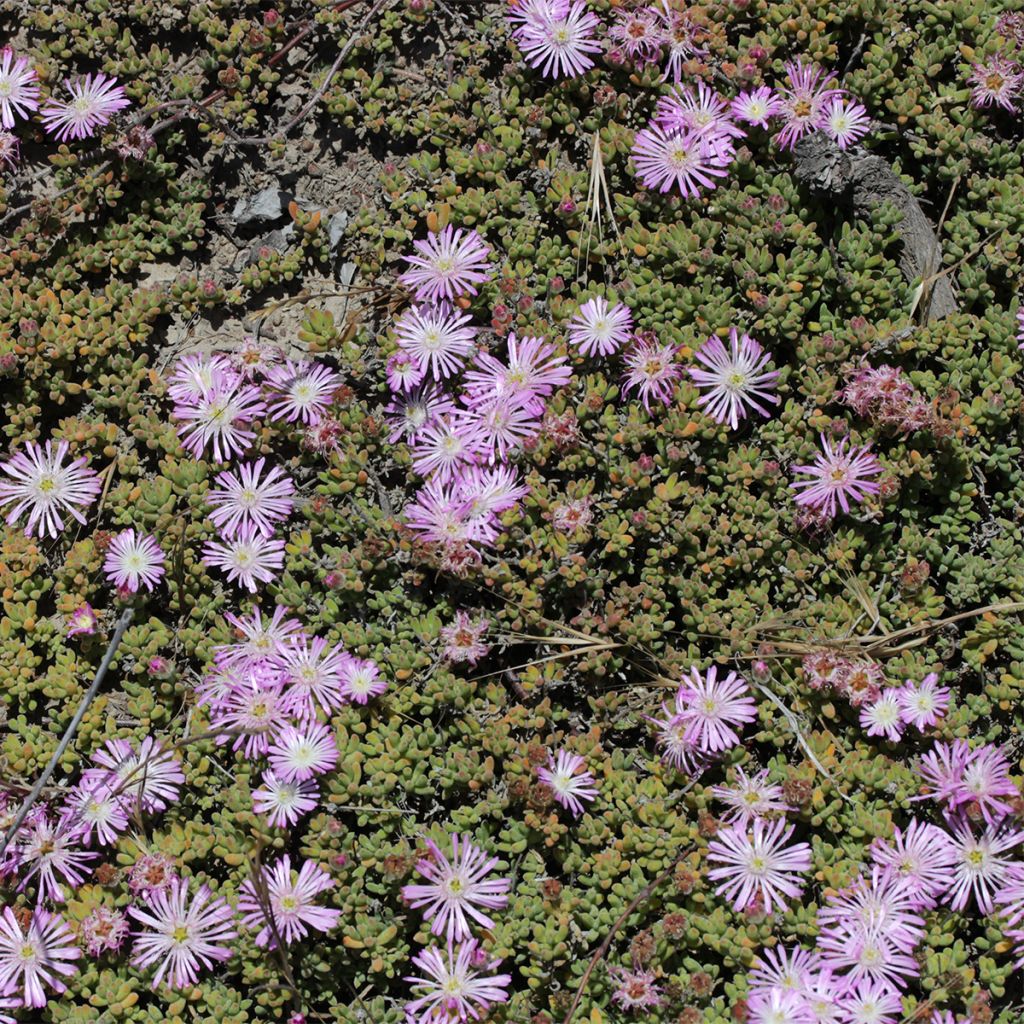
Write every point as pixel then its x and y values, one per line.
pixel 268 204
pixel 336 228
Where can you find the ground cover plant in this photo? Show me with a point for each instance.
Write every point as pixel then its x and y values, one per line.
pixel 512 511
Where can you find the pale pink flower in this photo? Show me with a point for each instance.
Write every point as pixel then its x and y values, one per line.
pixel 403 371
pixel 666 157
pixel 713 709
pixel 298 754
pixel 636 35
pixel 463 641
pixel 134 561
pixel 222 416
pixel 182 935
pixel 35 956
pixel 457 889
pixel 750 797
pixel 313 673
pixel 651 371
pixel 533 372
pixel 95 806
pixel 839 475
pixel 48 852
pixel 94 100
pixel 10 152
pixel 734 379
pixel 997 80
pixel 43 485
pixel 301 391
pixel 804 102
pixel 756 106
pixel 249 496
pixel 249 558
pixel 152 872
pixel 923 704
pixel 557 36
pixel 922 856
pixel 150 776
pixel 284 801
pixel 758 865
pixel 570 782
pixel 845 121
pixel 19 88
pixel 636 989
pixel 982 867
pixel 437 337
pixel 361 680
pixel 288 902
pixel 447 265
pixel 454 989
pixel 780 1006
pixel 884 716
pixel 598 329
pixel 103 930
pixel 258 638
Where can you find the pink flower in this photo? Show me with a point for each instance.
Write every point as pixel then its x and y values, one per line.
pixel 442 448
pixel 287 902
pixel 981 868
pixel 454 989
pixel 803 104
pixel 152 872
pixel 712 709
pixel 884 716
pixel 636 35
pixel 793 969
pixel 134 561
pixel 700 110
pixel 150 776
pixel 249 558
pixel 409 414
pixel 923 704
pixel 735 379
pixel 651 371
pixel 838 476
pixel 666 157
pixel 750 797
pixel 221 416
pixel 636 989
pixel 756 106
pixel 438 514
pixel 996 80
pixel 361 680
pixel 845 121
pixel 463 641
pixel 284 801
pixel 447 265
pixel 570 783
pixel 490 489
pixel 876 1002
pixel 958 776
pixel 599 329
pixel 404 371
pixel 923 856
pixel 780 1006
pixel 249 497
pixel 505 424
pixel 103 930
pixel 48 852
pixel 19 88
pixel 679 32
pixel 437 338
pixel 36 955
pixel 258 638
pixel 94 100
pixel 456 889
pixel 301 391
pixel 298 754
pixel 182 935
pixel 41 484
pixel 758 866
pixel 95 805
pixel 10 149
pixel 533 372
pixel 198 373
pixel 312 673
pixel 82 621
pixel 557 36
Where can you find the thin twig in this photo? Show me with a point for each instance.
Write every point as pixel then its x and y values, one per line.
pixel 69 732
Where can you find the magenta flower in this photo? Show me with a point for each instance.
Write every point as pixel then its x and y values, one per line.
pixel 981 868
pixel 221 416
pixel 959 776
pixel 456 889
pixel 282 801
pixel 569 781
pixel 651 371
pixel 438 514
pixel 48 852
pixel 667 157
pixel 198 373
pixel 735 379
pixel 104 930
pixel 301 391
pixel 923 856
pixel 82 621
pixel 845 121
pixel 756 106
pixel 94 101
pixel 598 329
pixel 297 754
pixel 463 639
pixel 884 716
pixel 404 371
pixel 758 866
pixel 557 36
pixel 134 561
pixel 35 956
pixel 505 424
pixel 94 805
pixel 361 680
pixel 19 88
pixel 150 776
pixel 454 988
pixel 839 475
pixel 290 903
pixel 437 338
pixel 1010 899
pixel 923 704
pixel 677 749
pixel 182 935
pixel 750 797
pixel 43 485
pixel 713 709
pixel 996 80
pixel 447 265
pixel 533 372
pixel 701 111
pixel 803 104
pixel 250 497
pixel 636 989
pixel 249 558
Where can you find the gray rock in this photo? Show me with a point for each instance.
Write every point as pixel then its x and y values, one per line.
pixel 267 205
pixel 336 228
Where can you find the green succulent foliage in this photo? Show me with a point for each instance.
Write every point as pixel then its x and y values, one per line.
pixel 693 554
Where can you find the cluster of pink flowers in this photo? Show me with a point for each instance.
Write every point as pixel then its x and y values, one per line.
pixel 94 99
pixel 692 138
pixel 461 440
pixel 271 693
pixel 885 396
pixel 458 985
